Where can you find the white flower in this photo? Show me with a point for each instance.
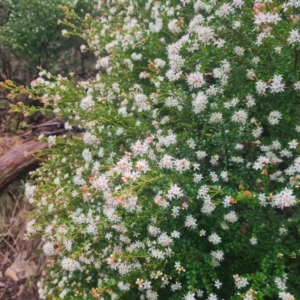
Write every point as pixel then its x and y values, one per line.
pixel 297 86
pixel 190 222
pixel 164 240
pixel 278 49
pixel 202 232
pixel 220 43
pixel 29 190
pixel 123 286
pixel 257 132
pixel 248 296
pixel 240 282
pixel 214 176
pixel 240 116
pixel 205 34
pixel 157 254
pixel 185 2
pixel 212 297
pixel 87 103
pixel 224 175
pixel 174 27
pixel 136 56
pixel 142 102
pixel 261 87
pixel 253 241
pixel 159 63
pixel 48 249
pixel 217 255
pixel 83 48
pixel 195 80
pixel 214 239
pixel 51 140
pixel 128 63
pixel 214 159
pixel 239 147
pixel 103 62
pixel 239 51
pixel 173 75
pixel 276 85
pixel 276 145
pixel 238 3
pixel 87 155
pixel 153 230
pixel 285 153
pixel 280 283
pixel 189 296
pixel 92 228
pixel 261 162
pixel 231 217
pixel 68 126
pixel 208 207
pixel 174 192
pixel 63 293
pixel 264 18
pixel 293 144
pixel 201 154
pixel 294 36
pixel 199 293
pixel 181 165
pixel 237 159
pixel 68 244
pixel 166 162
pixel 176 286
pixel 218 284
pixel 216 118
pixel 250 74
pixel 284 199
pixel 227 201
pixel 175 234
pixel 274 117
pixel 69 264
pixel 142 165
pixel 151 295
pixel 175 211
pixel 224 10
pixel 286 296
pixel 29 227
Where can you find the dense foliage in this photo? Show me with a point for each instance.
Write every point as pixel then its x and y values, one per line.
pixel 30 33
pixel 185 181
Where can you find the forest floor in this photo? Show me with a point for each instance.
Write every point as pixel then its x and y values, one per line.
pixel 21 261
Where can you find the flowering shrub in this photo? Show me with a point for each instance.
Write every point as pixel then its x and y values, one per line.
pixel 185 181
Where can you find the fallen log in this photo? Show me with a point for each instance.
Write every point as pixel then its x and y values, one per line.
pixel 15 162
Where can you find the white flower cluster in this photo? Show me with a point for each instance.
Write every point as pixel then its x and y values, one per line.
pixel 189 140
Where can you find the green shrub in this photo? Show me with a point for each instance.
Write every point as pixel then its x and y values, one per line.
pixel 33 34
pixel 185 181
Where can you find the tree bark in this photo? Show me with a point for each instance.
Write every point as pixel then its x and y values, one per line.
pixel 16 161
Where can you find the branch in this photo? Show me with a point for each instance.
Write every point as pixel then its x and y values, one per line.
pixel 15 162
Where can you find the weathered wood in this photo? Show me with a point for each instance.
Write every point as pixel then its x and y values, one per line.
pixel 18 160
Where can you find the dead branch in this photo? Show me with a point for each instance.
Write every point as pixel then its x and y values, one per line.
pixel 15 162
